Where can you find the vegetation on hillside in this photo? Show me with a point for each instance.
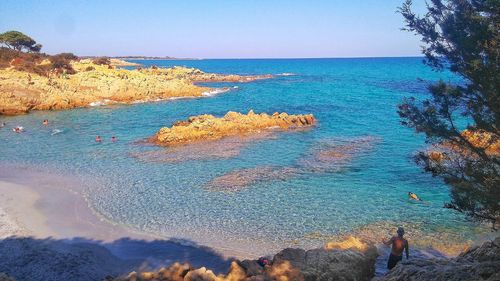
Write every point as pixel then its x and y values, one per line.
pixel 23 53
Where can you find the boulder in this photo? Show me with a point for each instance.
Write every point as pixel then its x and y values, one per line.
pixel 480 263
pixel 325 264
pixel 251 267
pixel 200 274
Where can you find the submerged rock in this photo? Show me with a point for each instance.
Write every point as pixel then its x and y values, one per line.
pixel 335 154
pixel 240 179
pixel 207 127
pixel 480 263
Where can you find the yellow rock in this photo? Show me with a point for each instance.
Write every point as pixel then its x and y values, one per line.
pixel 350 243
pixel 94 84
pixel 207 127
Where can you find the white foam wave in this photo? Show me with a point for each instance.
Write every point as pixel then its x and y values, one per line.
pixel 100 103
pixel 215 92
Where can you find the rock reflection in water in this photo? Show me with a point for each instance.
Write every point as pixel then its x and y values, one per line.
pixel 221 149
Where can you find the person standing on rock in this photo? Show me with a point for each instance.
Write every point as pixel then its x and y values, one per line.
pixel 399 244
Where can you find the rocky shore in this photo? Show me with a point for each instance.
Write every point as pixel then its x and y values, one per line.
pixel 348 260
pixel 100 84
pixel 479 263
pixel 207 127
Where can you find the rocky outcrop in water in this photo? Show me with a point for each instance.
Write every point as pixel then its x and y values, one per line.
pixel 207 127
pixel 480 263
pixel 345 262
pixel 196 75
pixel 94 84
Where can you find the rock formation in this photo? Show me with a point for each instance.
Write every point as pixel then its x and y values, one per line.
pixel 480 263
pixel 481 139
pixel 349 263
pixel 207 127
pixel 197 75
pixel 94 84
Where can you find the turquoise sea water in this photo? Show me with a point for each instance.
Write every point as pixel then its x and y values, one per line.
pixel 362 180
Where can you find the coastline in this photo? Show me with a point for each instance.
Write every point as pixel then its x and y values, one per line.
pixel 53 207
pixel 41 205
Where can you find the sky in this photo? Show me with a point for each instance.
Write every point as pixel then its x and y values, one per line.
pixel 215 28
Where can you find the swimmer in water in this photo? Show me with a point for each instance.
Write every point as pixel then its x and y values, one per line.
pixel 18 129
pixel 2 124
pixel 113 139
pixel 413 196
pixel 98 139
pixel 45 122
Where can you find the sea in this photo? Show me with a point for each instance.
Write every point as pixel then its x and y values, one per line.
pixel 348 174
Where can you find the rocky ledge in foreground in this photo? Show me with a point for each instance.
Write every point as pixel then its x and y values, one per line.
pixel 85 83
pixel 207 127
pixel 349 260
pixel 480 263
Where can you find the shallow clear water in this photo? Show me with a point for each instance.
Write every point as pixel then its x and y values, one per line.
pixel 365 182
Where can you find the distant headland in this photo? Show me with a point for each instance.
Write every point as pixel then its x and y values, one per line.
pixel 140 58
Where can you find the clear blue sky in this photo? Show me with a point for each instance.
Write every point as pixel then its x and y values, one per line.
pixel 214 28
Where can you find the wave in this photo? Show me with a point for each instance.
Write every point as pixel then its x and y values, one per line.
pixel 100 103
pixel 286 74
pixel 216 92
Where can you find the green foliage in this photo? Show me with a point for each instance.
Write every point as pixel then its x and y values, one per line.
pixel 19 41
pixel 67 56
pixel 62 63
pixel 29 62
pixel 32 62
pixel 462 36
pixel 101 61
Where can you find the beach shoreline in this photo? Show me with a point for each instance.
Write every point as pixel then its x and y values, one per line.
pixel 37 203
pixel 53 207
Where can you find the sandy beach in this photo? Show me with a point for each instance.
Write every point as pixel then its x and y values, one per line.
pixel 43 215
pixel 45 205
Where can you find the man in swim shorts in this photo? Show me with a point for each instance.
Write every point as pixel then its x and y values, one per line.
pixel 398 245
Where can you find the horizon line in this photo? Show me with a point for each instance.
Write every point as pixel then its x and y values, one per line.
pixel 256 58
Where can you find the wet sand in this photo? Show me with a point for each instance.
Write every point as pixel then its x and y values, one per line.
pixel 45 205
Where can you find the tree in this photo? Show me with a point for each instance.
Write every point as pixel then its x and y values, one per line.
pixel 18 41
pixel 461 121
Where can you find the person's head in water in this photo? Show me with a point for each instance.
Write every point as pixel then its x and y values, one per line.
pixel 401 231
